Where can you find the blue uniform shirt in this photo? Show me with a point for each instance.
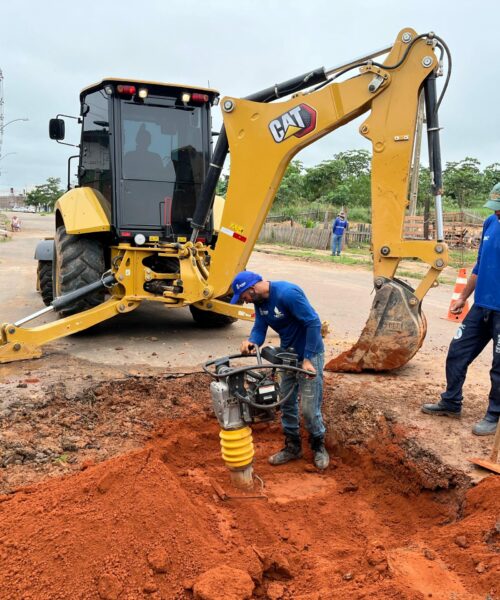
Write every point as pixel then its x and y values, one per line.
pixel 288 312
pixel 339 225
pixel 487 268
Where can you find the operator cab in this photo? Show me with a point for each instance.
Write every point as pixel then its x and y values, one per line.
pixel 146 148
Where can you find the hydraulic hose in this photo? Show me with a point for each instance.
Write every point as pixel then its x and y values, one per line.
pixel 431 111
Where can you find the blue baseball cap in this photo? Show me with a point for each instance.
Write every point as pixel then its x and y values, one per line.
pixel 241 283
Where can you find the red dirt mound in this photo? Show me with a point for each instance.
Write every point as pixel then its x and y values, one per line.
pixel 148 524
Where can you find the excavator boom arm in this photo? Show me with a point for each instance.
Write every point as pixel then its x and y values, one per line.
pixel 264 137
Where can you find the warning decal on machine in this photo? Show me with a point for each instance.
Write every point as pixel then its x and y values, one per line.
pixel 233 234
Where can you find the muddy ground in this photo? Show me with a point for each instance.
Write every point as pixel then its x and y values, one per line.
pixel 113 434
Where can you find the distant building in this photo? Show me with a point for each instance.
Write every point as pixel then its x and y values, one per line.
pixel 9 201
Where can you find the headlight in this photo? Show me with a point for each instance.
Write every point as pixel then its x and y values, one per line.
pixel 139 239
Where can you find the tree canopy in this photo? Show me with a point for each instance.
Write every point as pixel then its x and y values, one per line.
pixel 44 196
pixel 345 180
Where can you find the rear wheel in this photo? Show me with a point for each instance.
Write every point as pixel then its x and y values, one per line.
pixel 206 318
pixel 78 261
pixel 44 275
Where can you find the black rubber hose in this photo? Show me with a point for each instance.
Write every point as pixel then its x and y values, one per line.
pixel 430 95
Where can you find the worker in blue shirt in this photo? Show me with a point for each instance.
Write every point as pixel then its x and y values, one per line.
pixel 284 307
pixel 340 225
pixel 480 326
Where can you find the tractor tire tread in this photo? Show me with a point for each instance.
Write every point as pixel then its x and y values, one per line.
pixel 44 270
pixel 81 263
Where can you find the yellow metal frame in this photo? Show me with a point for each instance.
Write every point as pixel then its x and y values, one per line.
pixel 84 210
pixel 131 274
pixel 258 163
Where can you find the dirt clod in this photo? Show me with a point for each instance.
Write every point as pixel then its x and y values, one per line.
pixel 150 587
pixel 277 566
pixel 461 541
pixel 275 591
pixel 158 560
pixel 223 583
pixel 109 587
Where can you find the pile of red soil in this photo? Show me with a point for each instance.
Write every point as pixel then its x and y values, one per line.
pixel 149 524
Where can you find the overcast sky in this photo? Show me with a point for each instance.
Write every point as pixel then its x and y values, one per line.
pixel 50 50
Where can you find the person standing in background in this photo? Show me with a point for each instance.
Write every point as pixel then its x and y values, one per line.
pixel 340 225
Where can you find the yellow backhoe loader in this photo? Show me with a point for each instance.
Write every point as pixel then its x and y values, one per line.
pixel 140 224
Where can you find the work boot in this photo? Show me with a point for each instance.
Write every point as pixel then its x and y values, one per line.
pixel 321 458
pixel 485 427
pixel 291 451
pixel 441 410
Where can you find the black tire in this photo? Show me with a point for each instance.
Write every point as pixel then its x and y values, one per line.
pixel 78 261
pixel 44 275
pixel 208 319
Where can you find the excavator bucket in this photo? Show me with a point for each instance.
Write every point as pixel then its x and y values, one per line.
pixel 394 332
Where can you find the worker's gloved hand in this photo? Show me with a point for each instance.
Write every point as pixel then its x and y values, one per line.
pixel 247 347
pixel 457 306
pixel 308 366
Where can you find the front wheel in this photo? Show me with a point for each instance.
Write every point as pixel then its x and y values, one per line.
pixel 78 261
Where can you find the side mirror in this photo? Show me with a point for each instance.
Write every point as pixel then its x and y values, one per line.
pixel 57 129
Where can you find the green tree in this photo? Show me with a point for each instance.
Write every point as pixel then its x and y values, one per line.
pixel 355 163
pixel 44 196
pixel 321 179
pixel 353 191
pixel 291 189
pixel 491 175
pixel 343 180
pixel 424 185
pixel 221 189
pixel 463 181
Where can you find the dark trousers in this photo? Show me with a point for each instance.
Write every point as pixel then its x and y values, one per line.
pixel 479 327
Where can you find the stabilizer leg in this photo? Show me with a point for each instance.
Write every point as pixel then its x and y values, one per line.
pixel 18 343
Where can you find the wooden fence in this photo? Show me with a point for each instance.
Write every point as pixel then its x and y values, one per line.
pixel 317 237
pixel 458 233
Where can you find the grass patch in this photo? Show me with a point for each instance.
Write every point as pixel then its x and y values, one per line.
pixel 4 221
pixel 458 259
pixel 315 255
pixel 363 259
pixel 4 224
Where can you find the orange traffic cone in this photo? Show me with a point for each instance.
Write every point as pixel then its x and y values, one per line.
pixel 459 288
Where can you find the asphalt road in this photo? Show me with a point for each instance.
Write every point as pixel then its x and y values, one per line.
pixel 157 336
